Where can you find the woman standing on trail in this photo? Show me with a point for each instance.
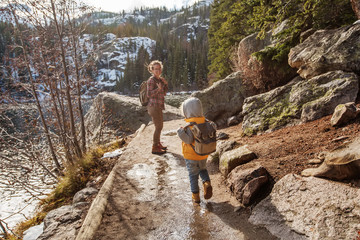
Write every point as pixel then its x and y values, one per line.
pixel 157 87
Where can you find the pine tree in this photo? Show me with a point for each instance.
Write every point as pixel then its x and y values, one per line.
pixel 231 21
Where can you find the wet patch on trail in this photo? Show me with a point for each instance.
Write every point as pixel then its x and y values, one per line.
pixel 147 181
pixel 152 178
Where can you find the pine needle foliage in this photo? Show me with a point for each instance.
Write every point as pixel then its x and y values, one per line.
pixel 233 20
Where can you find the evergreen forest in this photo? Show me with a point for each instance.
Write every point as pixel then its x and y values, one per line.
pixel 198 44
pixel 182 49
pixel 231 21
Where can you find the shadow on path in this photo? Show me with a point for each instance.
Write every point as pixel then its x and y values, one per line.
pixel 238 220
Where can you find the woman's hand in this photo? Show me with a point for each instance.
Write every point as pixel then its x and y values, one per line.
pixel 164 81
pixel 159 85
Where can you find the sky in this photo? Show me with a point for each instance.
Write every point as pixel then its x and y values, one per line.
pixel 120 5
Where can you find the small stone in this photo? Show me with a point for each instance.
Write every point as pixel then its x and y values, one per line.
pixel 315 161
pixel 232 121
pixel 340 139
pixel 237 209
pixel 222 136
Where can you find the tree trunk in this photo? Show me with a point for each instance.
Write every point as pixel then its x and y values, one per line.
pixel 78 85
pixel 355 4
pixel 68 88
pixel 57 113
pixel 47 133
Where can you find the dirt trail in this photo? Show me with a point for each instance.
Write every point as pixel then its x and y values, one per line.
pixel 151 199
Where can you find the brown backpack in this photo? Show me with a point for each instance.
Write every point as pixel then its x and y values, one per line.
pixel 204 137
pixel 143 94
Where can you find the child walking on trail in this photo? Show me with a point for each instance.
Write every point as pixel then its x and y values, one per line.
pixel 195 164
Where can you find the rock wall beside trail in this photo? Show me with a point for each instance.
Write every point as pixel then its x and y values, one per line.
pixel 299 101
pixel 223 99
pixel 262 76
pixel 328 63
pixel 113 115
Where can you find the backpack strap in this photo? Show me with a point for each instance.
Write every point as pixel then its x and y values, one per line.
pixel 190 124
pixel 187 126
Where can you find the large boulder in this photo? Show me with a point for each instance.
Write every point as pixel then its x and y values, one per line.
pixel 235 157
pixel 223 99
pixel 113 115
pixel 246 182
pixel 309 208
pixel 299 101
pixel 266 74
pixel 328 50
pixel 61 223
pixel 344 113
pixel 343 163
pixel 83 194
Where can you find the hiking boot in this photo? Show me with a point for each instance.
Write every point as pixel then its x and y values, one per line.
pixel 207 190
pixel 162 147
pixel 156 149
pixel 196 197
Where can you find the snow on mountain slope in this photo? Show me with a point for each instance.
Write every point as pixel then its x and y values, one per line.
pixel 114 54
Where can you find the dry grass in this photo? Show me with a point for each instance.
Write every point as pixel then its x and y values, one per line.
pixel 74 179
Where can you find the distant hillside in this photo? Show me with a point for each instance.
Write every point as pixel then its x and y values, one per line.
pixel 123 43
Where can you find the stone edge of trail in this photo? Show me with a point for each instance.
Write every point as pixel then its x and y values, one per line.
pixel 94 216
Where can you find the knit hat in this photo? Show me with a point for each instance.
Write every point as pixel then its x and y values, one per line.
pixel 191 107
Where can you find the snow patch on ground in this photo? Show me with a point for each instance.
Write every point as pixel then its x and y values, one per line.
pixel 115 153
pixel 34 232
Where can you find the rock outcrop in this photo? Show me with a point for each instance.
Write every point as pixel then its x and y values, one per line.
pixel 328 65
pixel 310 208
pixel 114 115
pixel 344 113
pixel 328 50
pixel 223 99
pixel 62 223
pixel 246 182
pixel 264 75
pixel 343 163
pixel 299 101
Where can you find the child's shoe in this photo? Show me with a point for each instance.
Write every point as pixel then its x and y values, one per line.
pixel 207 190
pixel 156 149
pixel 196 197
